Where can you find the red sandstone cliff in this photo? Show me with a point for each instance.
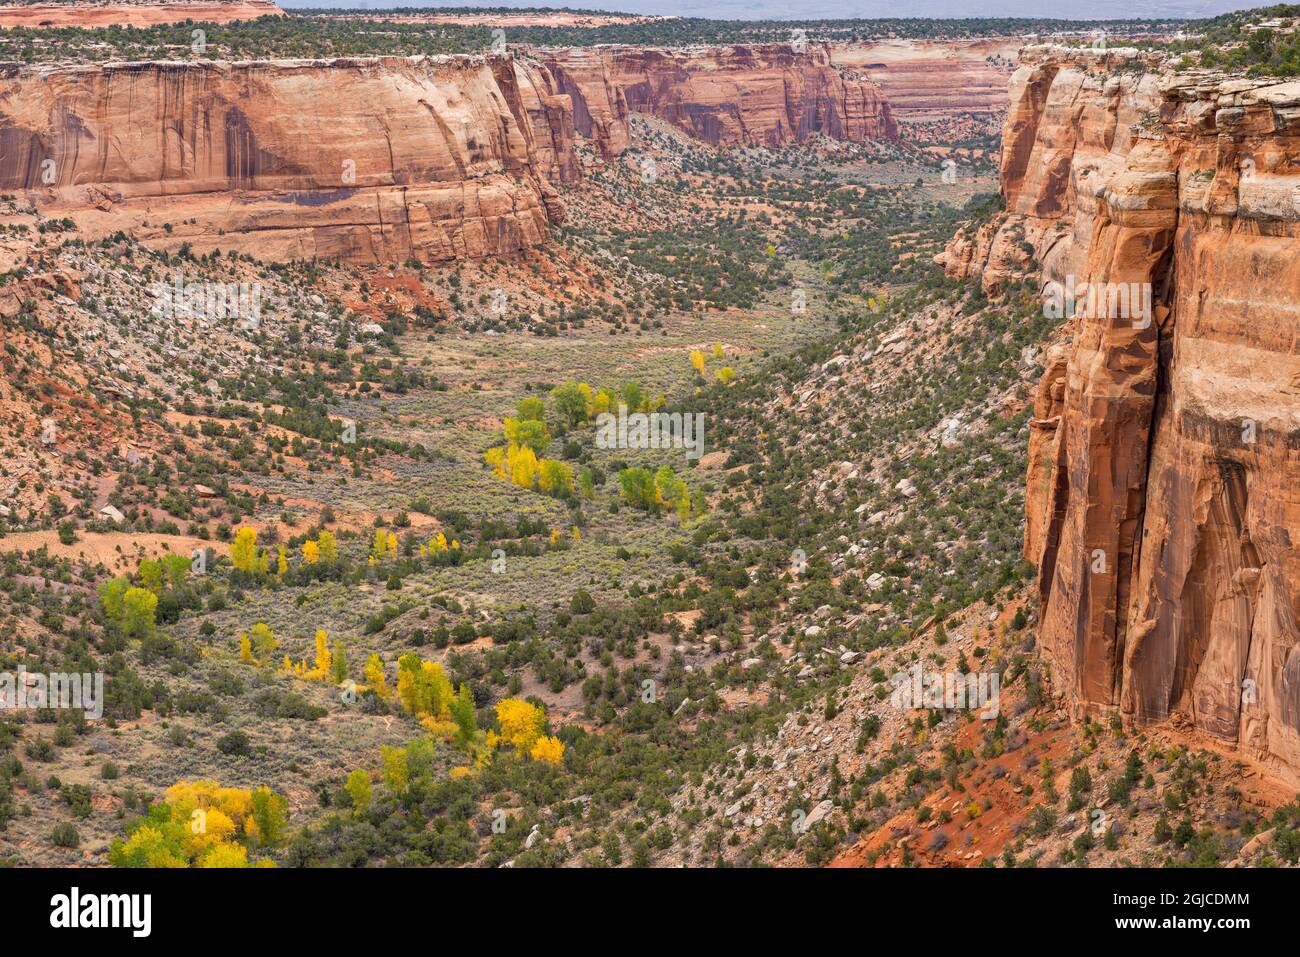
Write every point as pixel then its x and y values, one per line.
pixel 935 79
pixel 56 15
pixel 1163 500
pixel 768 95
pixel 362 160
pixel 387 158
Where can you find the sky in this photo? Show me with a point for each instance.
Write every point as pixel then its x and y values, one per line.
pixel 828 9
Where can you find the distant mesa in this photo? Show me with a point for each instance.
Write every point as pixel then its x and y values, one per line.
pixel 127 14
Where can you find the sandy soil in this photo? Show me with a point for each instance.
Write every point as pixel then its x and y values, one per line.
pixel 116 550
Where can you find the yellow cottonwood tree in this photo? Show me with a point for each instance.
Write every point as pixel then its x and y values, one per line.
pixel 243 550
pixel 358 788
pixel 224 855
pixel 324 664
pixel 328 546
pixel 396 770
pixel 203 824
pixel 521 723
pixel 522 464
pixel 374 675
pixel 548 749
pixel 263 639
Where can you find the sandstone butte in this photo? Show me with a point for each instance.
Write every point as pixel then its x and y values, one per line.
pixel 1163 487
pixel 763 95
pixel 54 15
pixel 382 159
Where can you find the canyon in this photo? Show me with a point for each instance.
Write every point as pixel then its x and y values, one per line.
pixel 432 158
pixel 311 351
pixel 1163 485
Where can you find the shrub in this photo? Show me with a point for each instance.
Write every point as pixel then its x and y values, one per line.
pixel 65 835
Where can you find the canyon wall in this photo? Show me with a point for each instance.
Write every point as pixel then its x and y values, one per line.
pixel 361 160
pixel 766 95
pixel 1163 497
pixel 58 15
pixel 933 79
pixel 382 159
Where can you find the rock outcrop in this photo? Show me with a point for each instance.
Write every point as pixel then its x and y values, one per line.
pixel 767 95
pixel 383 159
pixel 599 109
pixel 1163 492
pixel 356 159
pixel 58 15
pixel 934 79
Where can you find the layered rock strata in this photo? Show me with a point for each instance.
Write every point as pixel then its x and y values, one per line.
pixel 361 160
pixel 766 95
pixel 935 80
pixel 1163 496
pixel 58 15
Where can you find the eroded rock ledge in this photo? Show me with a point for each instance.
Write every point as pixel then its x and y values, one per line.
pixel 378 159
pixel 1163 498
pixel 383 159
pixel 764 95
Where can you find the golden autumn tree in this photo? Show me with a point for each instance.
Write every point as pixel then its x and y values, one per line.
pixel 549 750
pixel 358 788
pixel 263 639
pixel 243 550
pixel 521 461
pixel 202 824
pixel 521 724
pixel 396 770
pixel 323 668
pixel 374 675
pixel 328 547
